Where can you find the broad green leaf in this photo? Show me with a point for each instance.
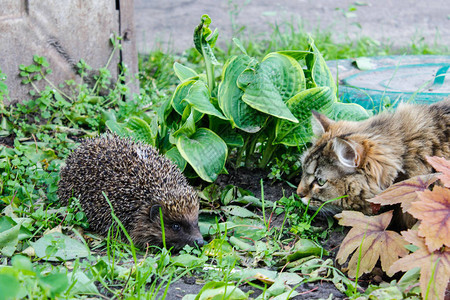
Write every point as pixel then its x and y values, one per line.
pixel 9 286
pixel 237 111
pixel 116 127
pixel 237 242
pixel 293 134
pixel 348 111
pixel 296 54
pixel 188 127
pixel 239 211
pixel 320 73
pixel 82 284
pixel 199 97
pixel 141 130
pixel 9 240
pixel 174 155
pixel 364 63
pixel 204 39
pixel 271 83
pixel 220 290
pixel 180 94
pixel 55 283
pixel 65 248
pixel 205 151
pixel 304 248
pixel 188 260
pixel 183 73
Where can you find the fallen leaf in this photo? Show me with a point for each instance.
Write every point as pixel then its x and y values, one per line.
pixel 371 234
pixel 441 165
pixel 434 266
pixel 433 210
pixel 404 192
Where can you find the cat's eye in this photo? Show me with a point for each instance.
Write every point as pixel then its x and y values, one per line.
pixel 321 181
pixel 176 227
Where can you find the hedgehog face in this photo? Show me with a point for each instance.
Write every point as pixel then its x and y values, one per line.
pixel 179 231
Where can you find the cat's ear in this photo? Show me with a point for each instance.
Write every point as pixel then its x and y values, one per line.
pixel 320 123
pixel 348 153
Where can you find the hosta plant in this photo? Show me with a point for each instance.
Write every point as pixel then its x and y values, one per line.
pixel 256 110
pixel 425 246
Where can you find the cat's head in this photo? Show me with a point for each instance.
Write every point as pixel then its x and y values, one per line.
pixel 340 164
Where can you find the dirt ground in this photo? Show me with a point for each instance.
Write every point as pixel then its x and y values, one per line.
pixel 169 24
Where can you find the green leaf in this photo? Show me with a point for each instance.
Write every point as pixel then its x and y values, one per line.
pixel 56 283
pixel 188 127
pixel 188 260
pixel 238 44
pixel 116 127
pixel 229 96
pixel 82 284
pixel 199 97
pixel 204 40
pixel 174 155
pixel 205 151
pixel 348 111
pixel 141 130
pixel 183 73
pixel 180 94
pixel 220 290
pixel 304 248
pixel 9 286
pixel 66 247
pixel 364 63
pixel 9 240
pixel 268 86
pixel 320 73
pixel 290 134
pixel 239 211
pixel 296 54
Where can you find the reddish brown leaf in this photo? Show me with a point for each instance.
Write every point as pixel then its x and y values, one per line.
pixel 434 266
pixel 433 210
pixel 404 192
pixel 441 165
pixel 376 242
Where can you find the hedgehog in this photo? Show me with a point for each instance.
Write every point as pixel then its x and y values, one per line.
pixel 139 182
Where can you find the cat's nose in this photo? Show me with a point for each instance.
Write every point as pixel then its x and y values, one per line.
pixel 300 191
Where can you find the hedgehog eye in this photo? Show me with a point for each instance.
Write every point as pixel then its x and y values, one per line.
pixel 176 227
pixel 321 182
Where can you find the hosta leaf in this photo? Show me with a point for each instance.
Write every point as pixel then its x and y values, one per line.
pixel 296 54
pixel 292 134
pixel 183 73
pixel 230 96
pixel 199 97
pixel 434 266
pixel 180 94
pixel 441 165
pixel 404 192
pixel 271 83
pixel 348 111
pixel 320 73
pixel 371 234
pixel 205 151
pixel 433 210
pixel 174 155
pixel 141 130
pixel 204 39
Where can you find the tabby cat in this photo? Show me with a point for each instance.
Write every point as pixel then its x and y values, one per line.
pixel 361 159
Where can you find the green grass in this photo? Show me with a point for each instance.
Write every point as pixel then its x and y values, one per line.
pixel 244 242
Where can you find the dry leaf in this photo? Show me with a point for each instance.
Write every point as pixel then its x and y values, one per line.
pixel 433 210
pixel 376 242
pixel 434 266
pixel 441 165
pixel 404 192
